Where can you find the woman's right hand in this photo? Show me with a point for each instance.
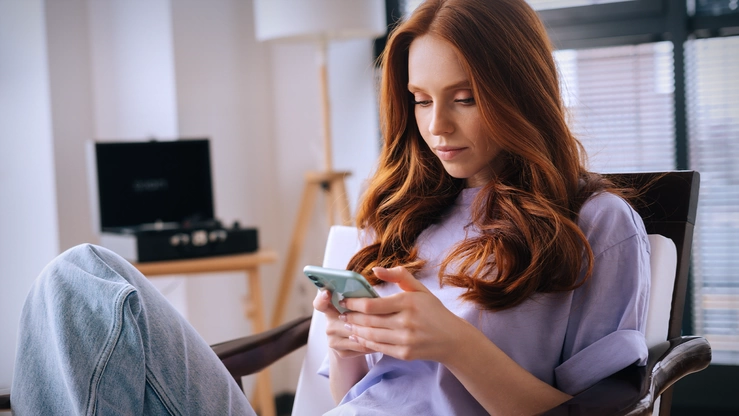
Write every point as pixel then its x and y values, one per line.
pixel 347 364
pixel 336 330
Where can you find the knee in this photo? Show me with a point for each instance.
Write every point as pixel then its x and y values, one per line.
pixel 79 256
pixel 62 281
pixel 86 254
pixel 81 260
pixel 69 262
pixel 85 268
pixel 78 251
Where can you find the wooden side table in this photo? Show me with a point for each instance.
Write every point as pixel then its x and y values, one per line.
pixel 253 302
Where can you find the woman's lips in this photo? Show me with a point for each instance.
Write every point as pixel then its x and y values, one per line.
pixel 448 153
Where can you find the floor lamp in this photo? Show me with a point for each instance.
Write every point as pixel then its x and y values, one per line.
pixel 317 21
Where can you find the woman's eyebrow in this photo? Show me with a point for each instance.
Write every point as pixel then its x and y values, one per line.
pixel 463 84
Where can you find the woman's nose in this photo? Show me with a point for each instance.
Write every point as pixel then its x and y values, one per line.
pixel 440 123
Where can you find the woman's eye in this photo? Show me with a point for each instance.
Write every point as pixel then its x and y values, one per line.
pixel 422 103
pixel 465 100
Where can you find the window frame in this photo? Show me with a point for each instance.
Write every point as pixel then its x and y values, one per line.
pixel 602 12
pixel 610 24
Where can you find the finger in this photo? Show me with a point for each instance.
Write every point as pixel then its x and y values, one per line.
pixel 382 306
pixel 320 300
pixel 400 276
pixel 380 335
pixel 337 328
pixel 322 303
pixel 339 334
pixel 401 352
pixel 372 320
pixel 375 306
pixel 349 348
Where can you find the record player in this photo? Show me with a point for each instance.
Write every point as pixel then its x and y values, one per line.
pixel 155 202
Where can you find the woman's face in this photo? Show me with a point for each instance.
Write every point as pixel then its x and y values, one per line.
pixel 446 112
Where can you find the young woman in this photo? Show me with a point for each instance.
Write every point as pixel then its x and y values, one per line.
pixel 510 276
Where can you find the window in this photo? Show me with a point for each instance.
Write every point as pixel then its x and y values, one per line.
pixel 407 6
pixel 713 131
pixel 715 7
pixel 621 105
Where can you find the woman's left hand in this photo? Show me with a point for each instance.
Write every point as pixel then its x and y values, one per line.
pixel 409 325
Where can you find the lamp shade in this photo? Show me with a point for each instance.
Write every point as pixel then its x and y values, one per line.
pixel 315 19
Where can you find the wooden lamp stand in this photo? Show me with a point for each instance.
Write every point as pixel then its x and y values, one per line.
pixel 328 181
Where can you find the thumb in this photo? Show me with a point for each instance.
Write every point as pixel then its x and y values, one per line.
pixel 400 276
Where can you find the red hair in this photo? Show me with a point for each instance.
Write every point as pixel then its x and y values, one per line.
pixel 529 239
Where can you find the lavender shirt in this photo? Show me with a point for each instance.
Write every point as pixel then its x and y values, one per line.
pixel 568 340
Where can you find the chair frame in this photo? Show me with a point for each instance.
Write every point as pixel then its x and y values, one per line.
pixel 668 207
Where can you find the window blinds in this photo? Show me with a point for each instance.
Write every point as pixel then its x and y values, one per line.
pixel 712 93
pixel 620 101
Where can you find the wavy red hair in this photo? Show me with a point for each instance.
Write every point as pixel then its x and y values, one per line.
pixel 529 239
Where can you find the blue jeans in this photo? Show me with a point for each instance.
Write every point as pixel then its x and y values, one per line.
pixel 97 338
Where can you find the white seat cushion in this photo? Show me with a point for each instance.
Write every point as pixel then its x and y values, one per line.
pixel 313 396
pixel 663 264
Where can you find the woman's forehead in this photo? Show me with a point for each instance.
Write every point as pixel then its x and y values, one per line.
pixel 434 62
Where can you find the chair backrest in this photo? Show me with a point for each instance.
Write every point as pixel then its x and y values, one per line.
pixel 667 206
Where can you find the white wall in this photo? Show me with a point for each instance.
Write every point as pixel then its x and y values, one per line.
pixel 298 139
pixel 72 116
pixel 223 92
pixel 124 69
pixel 28 210
pixel 133 84
pixel 356 130
pixel 132 69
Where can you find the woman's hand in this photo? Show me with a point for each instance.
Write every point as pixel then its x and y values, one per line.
pixel 336 329
pixel 347 364
pixel 414 324
pixel 409 325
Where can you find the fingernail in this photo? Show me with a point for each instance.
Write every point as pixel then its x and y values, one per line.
pixel 343 317
pixel 342 303
pixel 348 327
pixel 325 294
pixel 353 338
pixel 376 268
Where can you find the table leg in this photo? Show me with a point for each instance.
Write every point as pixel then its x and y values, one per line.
pixel 263 398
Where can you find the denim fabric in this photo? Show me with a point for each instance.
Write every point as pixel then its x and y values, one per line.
pixel 97 338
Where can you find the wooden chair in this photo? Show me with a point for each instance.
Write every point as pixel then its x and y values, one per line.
pixel 668 208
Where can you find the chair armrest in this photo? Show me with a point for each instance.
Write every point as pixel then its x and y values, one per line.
pixel 680 356
pixel 251 354
pixel 4 399
pixel 633 390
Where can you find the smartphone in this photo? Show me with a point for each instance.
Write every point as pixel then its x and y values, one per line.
pixel 341 283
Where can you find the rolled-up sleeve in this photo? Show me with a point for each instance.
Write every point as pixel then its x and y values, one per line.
pixel 605 331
